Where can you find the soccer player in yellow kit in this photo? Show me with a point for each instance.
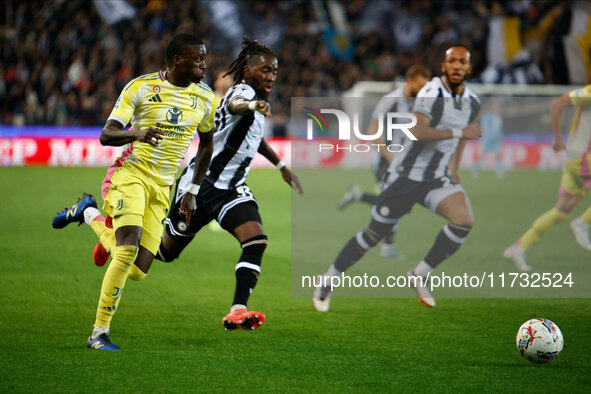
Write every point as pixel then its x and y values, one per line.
pixel 165 110
pixel 576 177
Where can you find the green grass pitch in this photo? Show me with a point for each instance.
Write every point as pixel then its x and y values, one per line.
pixel 169 325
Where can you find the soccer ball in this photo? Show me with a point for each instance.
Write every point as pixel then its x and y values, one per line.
pixel 539 340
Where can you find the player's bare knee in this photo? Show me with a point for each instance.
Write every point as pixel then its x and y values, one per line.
pixel 128 235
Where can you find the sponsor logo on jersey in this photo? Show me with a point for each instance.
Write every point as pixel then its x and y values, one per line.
pixel 174 115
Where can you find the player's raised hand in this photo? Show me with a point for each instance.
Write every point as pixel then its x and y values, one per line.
pixel 558 145
pixel 292 180
pixel 263 107
pixel 148 135
pixel 472 131
pixel 188 207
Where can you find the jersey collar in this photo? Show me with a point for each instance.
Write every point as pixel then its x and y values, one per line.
pixel 461 94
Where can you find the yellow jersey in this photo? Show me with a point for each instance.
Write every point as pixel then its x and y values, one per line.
pixel 151 101
pixel 579 137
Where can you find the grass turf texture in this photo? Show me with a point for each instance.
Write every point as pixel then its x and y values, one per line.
pixel 169 326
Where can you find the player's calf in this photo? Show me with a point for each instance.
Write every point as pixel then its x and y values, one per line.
pixel 363 241
pixel 448 241
pixel 247 275
pixel 248 268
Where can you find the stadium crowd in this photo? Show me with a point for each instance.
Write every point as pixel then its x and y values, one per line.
pixel 64 62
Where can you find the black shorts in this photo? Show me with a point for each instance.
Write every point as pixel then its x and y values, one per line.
pixel 398 198
pixel 230 208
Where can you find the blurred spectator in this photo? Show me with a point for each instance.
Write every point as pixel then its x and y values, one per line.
pixel 63 62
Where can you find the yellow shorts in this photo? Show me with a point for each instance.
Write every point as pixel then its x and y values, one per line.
pixel 576 179
pixel 133 199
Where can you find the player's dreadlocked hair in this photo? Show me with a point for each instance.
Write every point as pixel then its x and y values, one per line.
pixel 249 50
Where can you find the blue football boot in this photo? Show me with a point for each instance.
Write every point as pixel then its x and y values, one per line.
pixel 75 213
pixel 102 342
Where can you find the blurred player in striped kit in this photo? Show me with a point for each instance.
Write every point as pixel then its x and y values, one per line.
pixel 398 100
pixel 426 173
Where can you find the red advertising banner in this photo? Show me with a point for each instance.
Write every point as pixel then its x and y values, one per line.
pixel 88 152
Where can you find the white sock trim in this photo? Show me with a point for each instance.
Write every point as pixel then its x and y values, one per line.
pixel 332 271
pixel 90 214
pixel 237 306
pixel 452 236
pixel 98 330
pixel 244 264
pixel 359 238
pixel 422 269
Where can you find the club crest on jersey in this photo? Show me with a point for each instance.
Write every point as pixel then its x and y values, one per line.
pixel 174 115
pixel 156 89
pixel 465 104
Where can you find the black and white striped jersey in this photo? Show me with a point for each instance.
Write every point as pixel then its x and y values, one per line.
pixel 236 141
pixel 423 161
pixel 395 101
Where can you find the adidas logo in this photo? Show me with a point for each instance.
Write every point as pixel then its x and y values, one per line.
pixel 155 98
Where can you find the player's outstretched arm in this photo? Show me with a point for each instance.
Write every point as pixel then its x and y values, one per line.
pixel 289 177
pixel 240 106
pixel 202 159
pixel 557 107
pixel 426 133
pixel 114 134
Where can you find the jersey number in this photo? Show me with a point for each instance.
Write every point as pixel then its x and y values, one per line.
pixel 447 181
pixel 244 191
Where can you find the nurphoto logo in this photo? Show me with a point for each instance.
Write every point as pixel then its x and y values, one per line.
pixel 347 129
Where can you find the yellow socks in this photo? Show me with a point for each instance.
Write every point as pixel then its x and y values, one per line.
pixel 135 273
pixel 105 234
pixel 542 225
pixel 113 283
pixel 586 216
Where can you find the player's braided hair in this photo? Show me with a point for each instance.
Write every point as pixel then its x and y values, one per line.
pixel 249 50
